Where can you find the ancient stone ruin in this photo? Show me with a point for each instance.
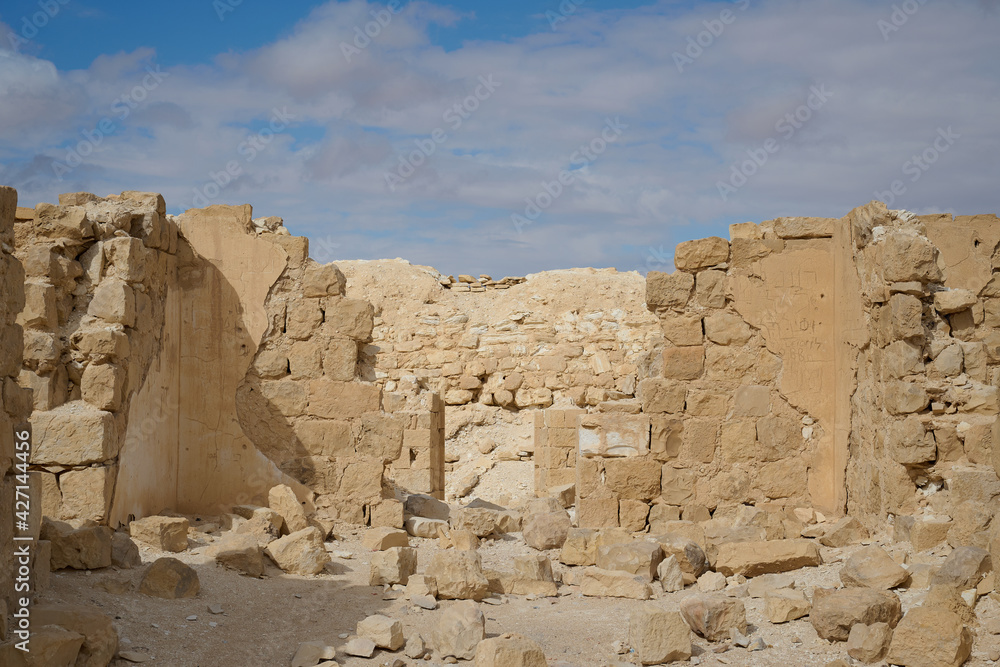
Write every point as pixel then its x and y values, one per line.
pixel 781 453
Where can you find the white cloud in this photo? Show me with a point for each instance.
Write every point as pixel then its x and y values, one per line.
pixel 653 187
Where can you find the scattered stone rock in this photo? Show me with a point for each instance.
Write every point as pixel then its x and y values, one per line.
pixel 52 646
pixel 546 531
pixel 690 556
pixel 658 636
pixel 872 567
pixel 711 582
pixel 930 637
pixel 759 587
pixel 785 604
pixel 580 547
pixel 166 533
pixel 419 526
pixel 386 632
pixel 641 558
pixel 595 582
pixel 415 647
pixel 301 552
pixel 384 537
pixel 869 643
pixel 963 568
pixel 459 575
pixel 283 500
pixel 459 630
pixel 712 615
pixel 85 548
pixel 310 654
pixel 835 612
pixel 394 565
pixel 424 602
pixel 670 575
pixel 421 584
pixel 422 505
pixel 100 638
pixel 124 552
pixel 360 647
pixel 755 558
pixel 238 552
pixel 170 579
pixel 844 532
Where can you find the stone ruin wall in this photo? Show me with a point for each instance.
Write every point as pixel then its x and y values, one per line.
pixel 501 352
pixel 15 403
pixel 846 364
pixel 801 363
pixel 191 363
pixel 924 412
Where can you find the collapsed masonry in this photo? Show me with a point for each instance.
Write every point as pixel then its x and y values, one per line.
pixel 193 363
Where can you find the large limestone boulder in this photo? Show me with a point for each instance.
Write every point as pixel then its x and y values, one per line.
pixel 834 613
pixel 641 558
pixel 263 524
pixel 459 575
pixel 712 615
pixel 509 650
pixel 283 500
pixel 310 654
pixel 595 582
pixel 170 579
pixel 458 632
pixel 547 530
pixel 238 552
pixel 930 637
pixel 393 566
pixel 418 526
pixel 755 558
pixel 659 636
pixel 964 568
pixel 85 548
pixel 386 632
pixel 872 567
pixel 166 533
pixel 51 646
pixel 100 637
pixel 301 552
pixel 668 290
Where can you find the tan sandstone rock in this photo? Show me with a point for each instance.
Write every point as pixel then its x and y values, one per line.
pixel 170 579
pixel 930 638
pixel 712 615
pixel 834 613
pixel 658 636
pixel 459 630
pixel 755 558
pixel 459 575
pixel 386 632
pixel 872 567
pixel 301 552
pixel 509 650
pixel 166 533
pixel 395 565
pixel 869 643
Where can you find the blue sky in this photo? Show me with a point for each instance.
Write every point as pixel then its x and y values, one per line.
pixel 506 138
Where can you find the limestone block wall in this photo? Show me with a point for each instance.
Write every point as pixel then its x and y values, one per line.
pixel 15 402
pixel 193 363
pixel 751 400
pixel 927 396
pixel 97 273
pixel 573 337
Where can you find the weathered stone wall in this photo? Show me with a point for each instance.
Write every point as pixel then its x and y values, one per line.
pixel 499 352
pixel 15 403
pixel 193 363
pixel 98 272
pixel 927 394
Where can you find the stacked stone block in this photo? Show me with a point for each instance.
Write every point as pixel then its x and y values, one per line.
pixel 556 443
pixel 96 277
pixel 927 398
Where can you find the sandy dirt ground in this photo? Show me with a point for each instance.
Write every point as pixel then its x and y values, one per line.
pixel 264 620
